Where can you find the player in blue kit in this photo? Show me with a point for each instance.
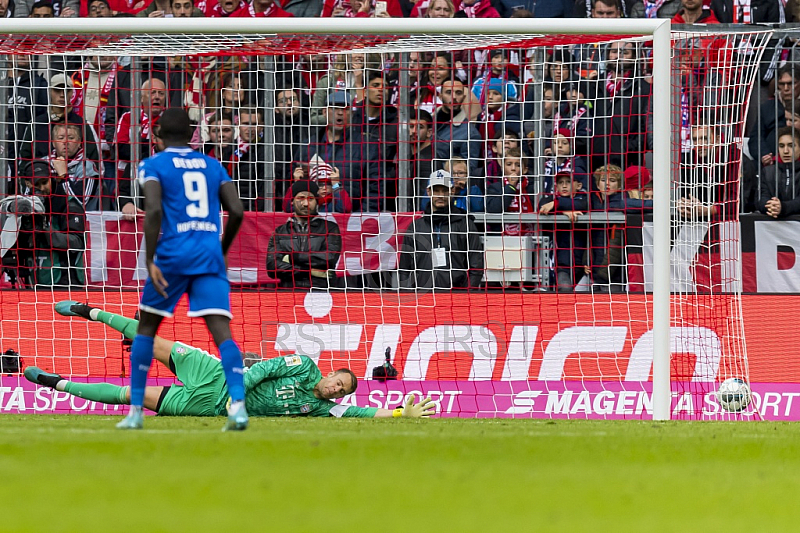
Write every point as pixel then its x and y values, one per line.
pixel 183 192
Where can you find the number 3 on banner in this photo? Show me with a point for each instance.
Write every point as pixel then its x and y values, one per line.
pixel 196 189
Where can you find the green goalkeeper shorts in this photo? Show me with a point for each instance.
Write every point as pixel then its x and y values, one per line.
pixel 203 383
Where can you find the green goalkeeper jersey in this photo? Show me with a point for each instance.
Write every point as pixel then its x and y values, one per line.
pixel 285 386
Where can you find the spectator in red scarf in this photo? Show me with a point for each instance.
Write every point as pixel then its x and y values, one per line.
pixel 102 94
pixel 153 102
pixel 563 160
pixel 512 194
pixel 81 177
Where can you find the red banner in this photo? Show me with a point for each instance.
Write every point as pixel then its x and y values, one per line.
pixel 115 254
pixel 448 336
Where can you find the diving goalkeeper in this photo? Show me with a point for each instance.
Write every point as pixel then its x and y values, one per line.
pixel 291 385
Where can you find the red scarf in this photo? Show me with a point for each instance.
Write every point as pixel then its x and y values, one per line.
pixel 521 203
pixel 79 80
pixel 614 82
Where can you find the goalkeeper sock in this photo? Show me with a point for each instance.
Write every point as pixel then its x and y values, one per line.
pixel 231 357
pixel 126 326
pixel 141 357
pixel 97 392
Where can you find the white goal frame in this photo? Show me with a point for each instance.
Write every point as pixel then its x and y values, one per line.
pixel 659 29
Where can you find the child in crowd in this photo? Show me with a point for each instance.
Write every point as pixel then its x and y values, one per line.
pixel 569 242
pixel 503 140
pixel 563 160
pixel 512 194
pixel 780 184
pixel 607 257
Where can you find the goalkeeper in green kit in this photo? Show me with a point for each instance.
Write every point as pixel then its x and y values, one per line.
pixel 281 386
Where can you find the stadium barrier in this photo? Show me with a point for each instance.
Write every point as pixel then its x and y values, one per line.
pixel 370 241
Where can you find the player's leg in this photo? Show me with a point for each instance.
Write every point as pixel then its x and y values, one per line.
pixel 127 326
pixel 209 297
pixel 152 310
pixel 96 392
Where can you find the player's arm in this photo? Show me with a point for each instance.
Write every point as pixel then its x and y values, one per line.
pixel 229 199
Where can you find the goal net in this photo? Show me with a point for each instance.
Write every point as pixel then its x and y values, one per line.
pixel 484 208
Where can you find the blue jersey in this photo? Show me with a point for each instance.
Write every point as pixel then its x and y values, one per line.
pixel 190 224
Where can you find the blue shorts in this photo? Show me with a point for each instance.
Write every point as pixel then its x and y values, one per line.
pixel 209 294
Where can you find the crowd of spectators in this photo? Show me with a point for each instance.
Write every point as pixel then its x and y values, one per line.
pixel 558 130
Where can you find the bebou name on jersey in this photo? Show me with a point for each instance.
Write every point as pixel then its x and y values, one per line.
pixel 180 162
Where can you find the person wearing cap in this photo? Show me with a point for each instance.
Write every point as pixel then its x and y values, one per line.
pixel 37 138
pixel 502 112
pixel 442 249
pixel 332 198
pixel 635 179
pixel 304 251
pixel 63 227
pixel 342 145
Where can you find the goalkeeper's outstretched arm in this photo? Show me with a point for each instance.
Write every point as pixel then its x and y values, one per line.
pixel 425 408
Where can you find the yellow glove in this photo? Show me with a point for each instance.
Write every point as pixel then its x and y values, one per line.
pixel 423 409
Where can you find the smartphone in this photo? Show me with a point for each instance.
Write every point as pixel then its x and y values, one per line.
pixel 380 8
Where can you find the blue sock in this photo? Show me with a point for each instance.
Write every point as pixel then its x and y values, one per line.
pixel 231 357
pixel 141 357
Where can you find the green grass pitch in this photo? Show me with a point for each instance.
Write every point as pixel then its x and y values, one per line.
pixel 78 473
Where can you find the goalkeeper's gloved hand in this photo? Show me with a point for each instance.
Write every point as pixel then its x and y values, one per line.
pixel 423 409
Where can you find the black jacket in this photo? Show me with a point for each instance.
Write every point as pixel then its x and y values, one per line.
pixel 457 234
pixel 620 125
pixel 27 98
pixel 760 11
pixel 293 251
pixel 781 181
pixel 772 117
pixel 63 233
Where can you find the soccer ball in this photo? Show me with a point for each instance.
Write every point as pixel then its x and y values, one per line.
pixel 734 395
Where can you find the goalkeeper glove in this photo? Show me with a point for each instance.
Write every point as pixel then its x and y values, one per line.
pixel 423 409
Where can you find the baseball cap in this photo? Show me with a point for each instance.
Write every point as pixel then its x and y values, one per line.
pixel 440 177
pixel 61 80
pixel 339 98
pixel 38 168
